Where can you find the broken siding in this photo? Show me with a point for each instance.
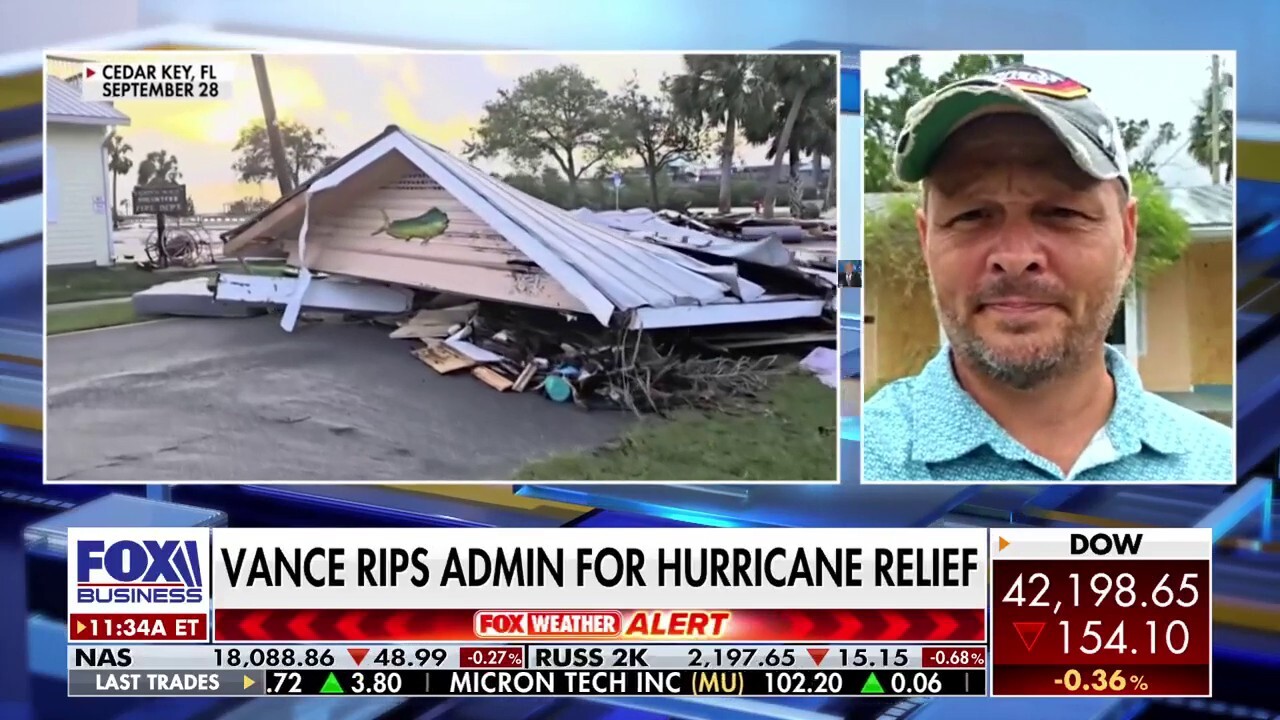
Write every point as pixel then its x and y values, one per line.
pixel 469 258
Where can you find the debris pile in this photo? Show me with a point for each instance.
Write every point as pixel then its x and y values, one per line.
pixel 640 309
pixel 807 247
pixel 518 350
pixel 749 226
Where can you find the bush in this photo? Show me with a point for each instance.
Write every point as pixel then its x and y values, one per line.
pixel 1163 234
pixel 891 246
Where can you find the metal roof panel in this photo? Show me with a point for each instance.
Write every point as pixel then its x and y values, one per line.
pixel 63 102
pixel 631 273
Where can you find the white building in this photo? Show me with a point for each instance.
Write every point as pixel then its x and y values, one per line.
pixel 77 185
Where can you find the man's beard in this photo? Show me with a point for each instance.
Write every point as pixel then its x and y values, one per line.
pixel 1058 356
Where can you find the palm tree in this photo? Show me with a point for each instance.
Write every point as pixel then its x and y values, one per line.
pixel 814 134
pixel 718 91
pixel 817 132
pixel 159 168
pixel 1199 144
pixel 119 164
pixel 803 84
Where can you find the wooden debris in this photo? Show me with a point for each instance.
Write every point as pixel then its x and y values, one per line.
pixel 513 349
pixel 492 378
pixel 433 324
pixel 443 359
pixel 526 375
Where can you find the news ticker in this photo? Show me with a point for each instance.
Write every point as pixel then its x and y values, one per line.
pixel 111 81
pixel 1122 612
pixel 522 683
pixel 667 656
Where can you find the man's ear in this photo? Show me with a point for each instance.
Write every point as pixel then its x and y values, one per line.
pixel 922 230
pixel 1131 231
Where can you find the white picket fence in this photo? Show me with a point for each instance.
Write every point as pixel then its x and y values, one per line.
pixel 209 220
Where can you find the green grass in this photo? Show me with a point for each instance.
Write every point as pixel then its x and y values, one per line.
pixel 790 436
pixel 87 317
pixel 79 284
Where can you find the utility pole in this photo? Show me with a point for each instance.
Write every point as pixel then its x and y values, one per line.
pixel 278 158
pixel 1215 120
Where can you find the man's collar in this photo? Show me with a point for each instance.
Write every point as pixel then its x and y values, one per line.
pixel 950 423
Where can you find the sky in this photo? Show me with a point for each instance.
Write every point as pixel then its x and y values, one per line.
pixel 353 97
pixel 1156 86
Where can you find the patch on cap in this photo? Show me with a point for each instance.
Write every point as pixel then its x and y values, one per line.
pixel 1041 82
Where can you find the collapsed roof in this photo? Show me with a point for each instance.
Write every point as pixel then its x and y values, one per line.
pixel 607 271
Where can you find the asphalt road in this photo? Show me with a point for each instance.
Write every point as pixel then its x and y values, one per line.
pixel 242 400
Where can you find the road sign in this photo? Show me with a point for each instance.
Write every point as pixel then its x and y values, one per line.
pixel 617 180
pixel 160 199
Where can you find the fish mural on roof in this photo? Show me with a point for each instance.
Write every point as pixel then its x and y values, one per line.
pixel 423 227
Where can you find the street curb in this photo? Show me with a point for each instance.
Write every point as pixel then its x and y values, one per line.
pixel 55 336
pixel 86 303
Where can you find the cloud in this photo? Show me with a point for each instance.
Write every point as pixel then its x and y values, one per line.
pixel 448 134
pixel 218 121
pixel 376 63
pixel 513 66
pixel 410 81
pixel 438 97
pixel 612 71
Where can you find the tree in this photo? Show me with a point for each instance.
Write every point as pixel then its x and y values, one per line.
pixel 652 129
pixel 814 131
pixel 1141 150
pixel 247 206
pixel 119 163
pixel 719 91
pixel 883 115
pixel 159 168
pixel 1199 144
pixel 558 113
pixel 799 84
pixel 815 134
pixel 306 150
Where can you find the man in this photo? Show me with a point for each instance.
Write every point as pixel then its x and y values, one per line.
pixel 851 277
pixel 1028 227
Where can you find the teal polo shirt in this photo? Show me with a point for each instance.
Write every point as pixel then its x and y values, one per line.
pixel 928 428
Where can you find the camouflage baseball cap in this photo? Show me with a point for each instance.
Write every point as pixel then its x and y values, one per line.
pixel 1089 133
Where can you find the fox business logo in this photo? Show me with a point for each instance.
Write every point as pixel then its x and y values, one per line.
pixel 138 572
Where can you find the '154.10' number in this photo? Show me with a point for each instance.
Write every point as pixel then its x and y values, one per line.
pixel 1174 638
